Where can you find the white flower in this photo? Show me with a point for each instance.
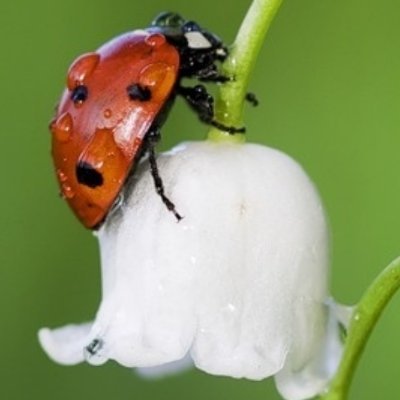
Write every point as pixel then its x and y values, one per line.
pixel 240 283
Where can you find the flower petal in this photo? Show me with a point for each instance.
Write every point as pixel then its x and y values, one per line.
pixel 65 345
pixel 296 382
pixel 224 280
pixel 164 370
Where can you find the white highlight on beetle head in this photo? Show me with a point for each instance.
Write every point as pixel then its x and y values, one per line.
pixel 196 40
pixel 240 284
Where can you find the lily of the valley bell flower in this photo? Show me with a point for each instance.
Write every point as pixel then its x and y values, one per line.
pixel 239 284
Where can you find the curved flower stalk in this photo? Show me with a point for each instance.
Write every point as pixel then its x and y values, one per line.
pixel 240 284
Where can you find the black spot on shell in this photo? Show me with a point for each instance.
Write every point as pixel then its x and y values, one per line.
pixel 88 176
pixel 79 94
pixel 138 92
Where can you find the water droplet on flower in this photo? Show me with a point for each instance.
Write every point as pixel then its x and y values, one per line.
pixel 62 127
pixel 230 307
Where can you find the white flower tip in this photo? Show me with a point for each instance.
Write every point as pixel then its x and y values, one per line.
pixel 65 345
pixel 314 377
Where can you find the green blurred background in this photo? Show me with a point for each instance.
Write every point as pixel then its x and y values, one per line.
pixel 328 82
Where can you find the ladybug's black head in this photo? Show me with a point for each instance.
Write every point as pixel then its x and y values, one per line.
pixel 188 35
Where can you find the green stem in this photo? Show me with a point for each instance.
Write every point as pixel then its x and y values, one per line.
pixel 365 317
pixel 240 64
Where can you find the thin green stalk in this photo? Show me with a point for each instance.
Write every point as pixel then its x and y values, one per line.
pixel 364 319
pixel 239 65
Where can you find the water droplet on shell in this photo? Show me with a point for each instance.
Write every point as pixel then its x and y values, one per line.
pixel 62 127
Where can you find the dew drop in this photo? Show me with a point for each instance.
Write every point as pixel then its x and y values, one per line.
pixel 110 158
pixel 155 40
pixel 81 69
pixel 67 192
pixel 231 308
pixel 157 76
pixel 62 128
pixel 62 177
pixel 107 113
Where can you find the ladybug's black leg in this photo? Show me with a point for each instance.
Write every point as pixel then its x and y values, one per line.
pixel 215 78
pixel 152 139
pixel 252 99
pixel 201 65
pixel 203 104
pixel 199 100
pixel 211 74
pixel 204 69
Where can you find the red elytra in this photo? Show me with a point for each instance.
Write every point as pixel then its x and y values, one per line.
pixel 99 128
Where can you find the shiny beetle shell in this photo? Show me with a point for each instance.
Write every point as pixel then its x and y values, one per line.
pixel 113 97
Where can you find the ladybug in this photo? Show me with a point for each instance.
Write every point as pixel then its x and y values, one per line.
pixel 115 103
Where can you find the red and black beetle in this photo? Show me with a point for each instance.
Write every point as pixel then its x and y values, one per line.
pixel 115 102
